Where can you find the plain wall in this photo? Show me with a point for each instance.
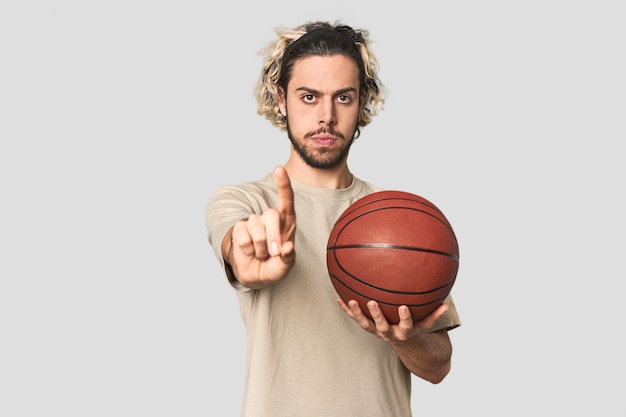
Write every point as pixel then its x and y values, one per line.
pixel 118 120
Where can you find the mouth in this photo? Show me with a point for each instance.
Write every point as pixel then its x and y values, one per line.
pixel 325 140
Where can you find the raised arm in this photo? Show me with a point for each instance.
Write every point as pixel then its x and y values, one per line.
pixel 260 249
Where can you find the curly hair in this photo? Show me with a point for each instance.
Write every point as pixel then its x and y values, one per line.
pixel 317 38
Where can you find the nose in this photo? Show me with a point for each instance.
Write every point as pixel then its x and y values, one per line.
pixel 327 114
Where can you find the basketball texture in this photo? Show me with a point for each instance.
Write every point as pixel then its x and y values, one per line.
pixel 396 248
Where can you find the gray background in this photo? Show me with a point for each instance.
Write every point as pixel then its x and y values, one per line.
pixel 118 119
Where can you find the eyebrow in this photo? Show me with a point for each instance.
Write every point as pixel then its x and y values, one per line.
pixel 336 93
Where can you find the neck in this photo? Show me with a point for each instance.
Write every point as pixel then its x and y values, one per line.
pixel 338 177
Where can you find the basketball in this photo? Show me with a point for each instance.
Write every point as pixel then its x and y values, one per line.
pixel 396 248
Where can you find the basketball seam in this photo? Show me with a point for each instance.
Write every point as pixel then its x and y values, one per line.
pixel 445 223
pixel 338 263
pixel 438 299
pixel 388 246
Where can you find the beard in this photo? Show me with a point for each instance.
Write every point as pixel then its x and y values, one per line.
pixel 323 158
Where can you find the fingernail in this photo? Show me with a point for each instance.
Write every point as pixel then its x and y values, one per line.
pixel 274 249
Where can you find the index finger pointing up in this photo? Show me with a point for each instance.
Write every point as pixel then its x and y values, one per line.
pixel 285 192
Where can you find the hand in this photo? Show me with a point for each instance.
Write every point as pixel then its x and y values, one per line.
pixel 425 354
pixel 381 328
pixel 262 247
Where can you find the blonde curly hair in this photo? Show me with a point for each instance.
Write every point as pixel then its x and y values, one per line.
pixel 326 39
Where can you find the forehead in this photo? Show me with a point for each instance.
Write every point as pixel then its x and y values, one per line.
pixel 324 73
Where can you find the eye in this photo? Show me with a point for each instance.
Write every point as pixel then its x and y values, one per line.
pixel 344 99
pixel 308 98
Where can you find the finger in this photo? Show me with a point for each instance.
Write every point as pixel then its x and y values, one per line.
pixel 379 317
pixel 285 192
pixel 406 319
pixel 360 317
pixel 345 307
pixel 241 240
pixel 256 229
pixel 273 236
pixel 429 321
pixel 287 252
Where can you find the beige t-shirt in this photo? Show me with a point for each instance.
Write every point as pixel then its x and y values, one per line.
pixel 305 356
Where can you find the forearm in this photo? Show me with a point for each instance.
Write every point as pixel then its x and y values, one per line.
pixel 427 355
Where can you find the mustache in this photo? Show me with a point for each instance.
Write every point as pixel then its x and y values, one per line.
pixel 324 131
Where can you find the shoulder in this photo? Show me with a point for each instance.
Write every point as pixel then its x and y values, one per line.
pixel 254 193
pixel 365 187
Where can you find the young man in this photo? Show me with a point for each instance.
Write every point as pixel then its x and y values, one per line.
pixel 309 353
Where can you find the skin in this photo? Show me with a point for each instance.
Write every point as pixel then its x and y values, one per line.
pixel 322 103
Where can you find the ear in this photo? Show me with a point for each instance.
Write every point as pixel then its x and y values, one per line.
pixel 282 101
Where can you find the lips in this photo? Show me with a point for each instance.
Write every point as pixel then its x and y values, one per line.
pixel 326 141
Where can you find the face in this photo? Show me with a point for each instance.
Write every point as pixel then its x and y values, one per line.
pixel 322 107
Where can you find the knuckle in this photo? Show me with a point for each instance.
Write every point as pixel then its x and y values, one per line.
pixel 270 213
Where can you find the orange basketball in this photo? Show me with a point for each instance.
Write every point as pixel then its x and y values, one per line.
pixel 396 248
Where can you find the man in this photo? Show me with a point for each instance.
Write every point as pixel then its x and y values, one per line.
pixel 307 356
